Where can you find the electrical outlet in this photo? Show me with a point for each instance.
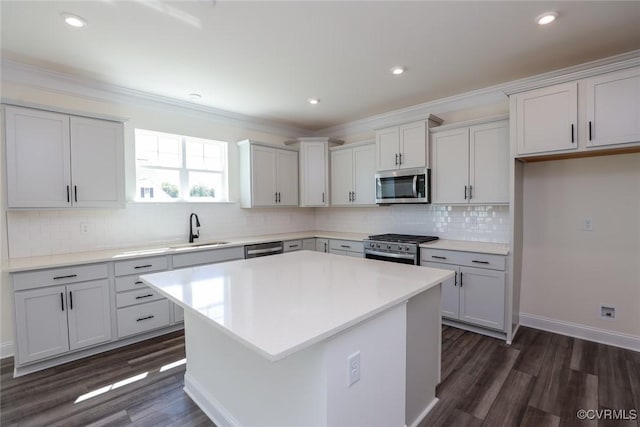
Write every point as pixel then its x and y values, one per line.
pixel 607 312
pixel 587 224
pixel 84 227
pixel 354 368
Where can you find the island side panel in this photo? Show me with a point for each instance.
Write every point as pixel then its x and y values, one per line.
pixel 234 385
pixel 424 337
pixel 378 398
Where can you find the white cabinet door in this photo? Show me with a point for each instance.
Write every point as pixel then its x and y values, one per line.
pixel 89 313
pixel 387 149
pixel 41 323
pixel 97 166
pixel 364 188
pixel 314 188
pixel 450 174
pixel 413 145
pixel 38 158
pixel 287 177
pixel 613 108
pixel 322 245
pixel 482 297
pixel 341 176
pixel 547 119
pixel 489 163
pixel 178 314
pixel 450 293
pixel 309 244
pixel 263 176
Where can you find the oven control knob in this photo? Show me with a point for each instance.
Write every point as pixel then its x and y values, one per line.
pixel 407 248
pixel 389 247
pixel 378 246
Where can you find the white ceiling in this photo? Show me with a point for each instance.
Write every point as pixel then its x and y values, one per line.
pixel 266 58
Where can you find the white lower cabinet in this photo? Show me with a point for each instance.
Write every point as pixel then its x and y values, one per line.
pixel 474 295
pixel 322 245
pixel 55 319
pixel 143 317
pixel 346 247
pixel 309 244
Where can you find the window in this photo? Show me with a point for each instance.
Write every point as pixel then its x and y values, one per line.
pixel 179 168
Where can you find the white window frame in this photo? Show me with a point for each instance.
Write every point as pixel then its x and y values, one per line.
pixel 183 196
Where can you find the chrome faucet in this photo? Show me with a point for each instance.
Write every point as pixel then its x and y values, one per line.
pixel 197 234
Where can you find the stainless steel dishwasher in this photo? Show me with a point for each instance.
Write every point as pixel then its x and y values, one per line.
pixel 263 249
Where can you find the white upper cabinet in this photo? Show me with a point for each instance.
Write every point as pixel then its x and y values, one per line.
pixel 314 169
pixel 404 146
pixel 547 119
pixel 613 108
pixel 56 160
pixel 268 175
pixel 471 164
pixel 352 175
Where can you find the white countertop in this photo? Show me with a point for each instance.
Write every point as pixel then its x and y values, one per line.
pixel 468 246
pixel 14 265
pixel 281 304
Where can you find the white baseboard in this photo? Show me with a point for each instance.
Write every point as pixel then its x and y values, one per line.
pixel 424 413
pixel 589 333
pixel 6 349
pixel 207 403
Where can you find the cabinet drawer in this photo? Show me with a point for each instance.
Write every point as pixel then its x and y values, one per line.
pixel 140 296
pixel 58 276
pixel 293 245
pixel 141 265
pixel 208 257
pixel 129 283
pixel 346 245
pixel 143 317
pixel 470 259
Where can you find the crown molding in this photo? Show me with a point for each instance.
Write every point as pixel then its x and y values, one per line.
pixel 68 84
pixel 482 97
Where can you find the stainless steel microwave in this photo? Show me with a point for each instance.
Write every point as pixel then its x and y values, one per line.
pixel 403 186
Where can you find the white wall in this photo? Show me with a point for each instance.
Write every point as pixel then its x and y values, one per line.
pixel 568 273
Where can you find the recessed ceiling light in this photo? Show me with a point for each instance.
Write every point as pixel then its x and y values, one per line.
pixel 74 20
pixel 396 71
pixel 546 18
pixel 313 101
pixel 194 96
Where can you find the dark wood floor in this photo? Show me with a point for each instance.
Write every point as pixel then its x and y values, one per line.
pixel 540 380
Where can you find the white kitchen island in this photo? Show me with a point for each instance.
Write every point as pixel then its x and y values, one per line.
pixel 271 341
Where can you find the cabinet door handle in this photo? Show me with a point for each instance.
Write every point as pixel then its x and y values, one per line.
pixel 75 193
pixel 65 277
pixel 589 130
pixel 68 196
pixel 461 279
pixel 400 158
pixel 140 319
pixel 470 192
pixel 142 266
pixel 62 301
pixel 325 247
pixel 323 197
pixel 455 278
pixel 465 192
pixel 572 138
pixel 144 296
pixel 275 195
pixel 353 198
pixel 396 159
pixel 480 262
pixel 438 257
pixel 70 300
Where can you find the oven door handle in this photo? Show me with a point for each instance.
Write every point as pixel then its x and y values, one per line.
pixel 415 185
pixel 387 254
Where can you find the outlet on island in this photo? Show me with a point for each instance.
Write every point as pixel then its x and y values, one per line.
pixel 354 368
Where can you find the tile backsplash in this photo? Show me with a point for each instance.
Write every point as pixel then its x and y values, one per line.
pixel 484 223
pixel 51 232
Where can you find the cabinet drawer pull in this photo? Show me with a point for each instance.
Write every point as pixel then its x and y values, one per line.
pixel 65 277
pixel 70 300
pixel 480 262
pixel 61 301
pixel 144 296
pixel 138 282
pixel 140 319
pixel 293 246
pixel 143 266
pixel 345 246
pixel 438 257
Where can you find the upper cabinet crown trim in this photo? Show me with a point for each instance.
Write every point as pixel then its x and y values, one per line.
pixel 470 123
pixel 67 111
pixel 266 144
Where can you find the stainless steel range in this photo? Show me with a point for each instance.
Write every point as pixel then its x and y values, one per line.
pixel 400 248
